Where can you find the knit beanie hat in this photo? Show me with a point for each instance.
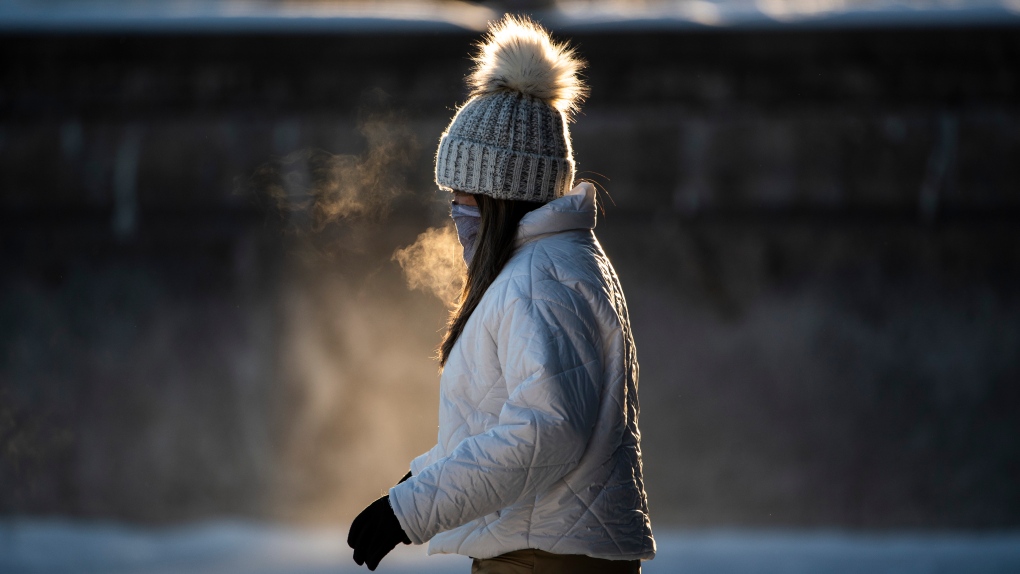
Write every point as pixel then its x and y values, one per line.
pixel 510 139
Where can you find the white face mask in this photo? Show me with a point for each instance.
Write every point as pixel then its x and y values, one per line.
pixel 467 218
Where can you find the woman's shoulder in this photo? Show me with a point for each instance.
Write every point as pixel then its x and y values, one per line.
pixel 551 265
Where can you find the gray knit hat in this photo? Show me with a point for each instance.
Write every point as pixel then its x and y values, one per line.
pixel 510 139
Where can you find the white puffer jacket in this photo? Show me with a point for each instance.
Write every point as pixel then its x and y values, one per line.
pixel 538 418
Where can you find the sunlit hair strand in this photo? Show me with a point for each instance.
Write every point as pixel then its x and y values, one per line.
pixel 496 235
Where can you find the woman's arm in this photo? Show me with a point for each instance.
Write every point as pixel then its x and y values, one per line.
pixel 550 356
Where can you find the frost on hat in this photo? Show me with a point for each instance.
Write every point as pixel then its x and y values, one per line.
pixel 510 139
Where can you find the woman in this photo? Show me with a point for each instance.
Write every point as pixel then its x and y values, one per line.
pixel 538 463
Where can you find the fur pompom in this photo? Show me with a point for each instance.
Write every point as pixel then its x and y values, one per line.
pixel 519 55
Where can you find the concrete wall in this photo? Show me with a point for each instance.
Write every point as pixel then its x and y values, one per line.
pixel 817 232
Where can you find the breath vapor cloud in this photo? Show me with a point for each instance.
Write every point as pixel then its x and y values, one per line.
pixel 312 188
pixel 434 263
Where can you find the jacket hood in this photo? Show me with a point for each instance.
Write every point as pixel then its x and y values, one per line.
pixel 575 210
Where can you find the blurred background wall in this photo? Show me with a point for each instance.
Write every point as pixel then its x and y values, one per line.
pixel 817 224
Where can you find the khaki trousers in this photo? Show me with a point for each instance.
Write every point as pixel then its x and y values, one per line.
pixel 541 562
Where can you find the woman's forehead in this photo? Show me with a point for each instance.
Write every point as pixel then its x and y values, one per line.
pixel 463 197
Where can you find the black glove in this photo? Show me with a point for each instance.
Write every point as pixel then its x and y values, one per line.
pixel 375 532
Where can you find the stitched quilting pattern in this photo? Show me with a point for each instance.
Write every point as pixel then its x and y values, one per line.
pixel 538 442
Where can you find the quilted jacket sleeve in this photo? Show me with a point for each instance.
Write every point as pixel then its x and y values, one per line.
pixel 549 353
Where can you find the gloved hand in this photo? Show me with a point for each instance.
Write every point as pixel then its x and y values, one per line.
pixel 375 532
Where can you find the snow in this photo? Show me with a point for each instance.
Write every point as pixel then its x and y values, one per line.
pixel 607 15
pixel 225 16
pixel 39 546
pixel 230 16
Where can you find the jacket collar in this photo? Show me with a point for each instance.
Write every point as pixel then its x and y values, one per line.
pixel 575 210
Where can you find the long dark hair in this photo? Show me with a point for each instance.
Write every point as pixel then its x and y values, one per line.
pixel 495 245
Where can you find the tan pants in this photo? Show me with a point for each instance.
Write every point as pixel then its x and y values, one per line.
pixel 541 562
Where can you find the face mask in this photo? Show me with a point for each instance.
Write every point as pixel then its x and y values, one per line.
pixel 467 218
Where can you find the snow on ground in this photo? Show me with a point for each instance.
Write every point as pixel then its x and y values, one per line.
pixel 224 16
pixel 65 547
